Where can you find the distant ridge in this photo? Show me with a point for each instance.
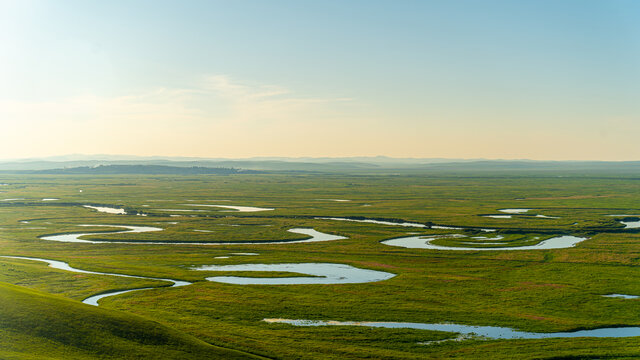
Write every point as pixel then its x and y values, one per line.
pixel 145 169
pixel 84 164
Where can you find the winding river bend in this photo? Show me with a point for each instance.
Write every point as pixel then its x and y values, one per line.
pixel 93 300
pixel 424 242
pixel 323 273
pixel 75 237
pixel 315 236
pixel 489 332
pixel 233 207
pixel 405 224
pixel 106 209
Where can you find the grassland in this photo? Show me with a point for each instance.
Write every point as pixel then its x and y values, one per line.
pixel 538 290
pixel 35 325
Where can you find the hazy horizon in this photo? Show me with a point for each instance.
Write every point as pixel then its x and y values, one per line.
pixel 539 80
pixel 318 159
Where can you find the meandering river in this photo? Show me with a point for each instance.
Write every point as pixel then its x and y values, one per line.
pixel 315 236
pixel 93 300
pixel 489 332
pixel 323 273
pixel 424 242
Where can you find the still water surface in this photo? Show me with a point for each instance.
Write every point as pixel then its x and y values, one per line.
pixel 322 273
pixel 424 242
pixel 489 332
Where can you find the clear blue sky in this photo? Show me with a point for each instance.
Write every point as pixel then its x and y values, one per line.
pixel 465 79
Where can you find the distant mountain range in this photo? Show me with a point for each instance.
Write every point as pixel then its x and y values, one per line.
pixel 143 169
pixel 116 164
pixel 135 158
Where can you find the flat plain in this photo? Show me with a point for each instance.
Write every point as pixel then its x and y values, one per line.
pixel 541 291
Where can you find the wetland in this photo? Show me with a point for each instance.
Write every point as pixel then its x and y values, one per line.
pixel 418 267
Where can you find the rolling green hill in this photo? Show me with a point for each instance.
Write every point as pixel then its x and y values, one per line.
pixel 35 325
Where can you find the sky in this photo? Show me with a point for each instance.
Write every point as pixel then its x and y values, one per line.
pixel 526 79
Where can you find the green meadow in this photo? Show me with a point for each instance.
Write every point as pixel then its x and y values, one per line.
pixel 558 290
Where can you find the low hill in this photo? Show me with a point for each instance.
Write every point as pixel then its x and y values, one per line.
pixel 35 325
pixel 354 165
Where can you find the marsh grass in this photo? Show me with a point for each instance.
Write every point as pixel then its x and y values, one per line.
pixel 537 290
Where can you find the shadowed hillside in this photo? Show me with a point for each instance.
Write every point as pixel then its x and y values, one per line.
pixel 34 325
